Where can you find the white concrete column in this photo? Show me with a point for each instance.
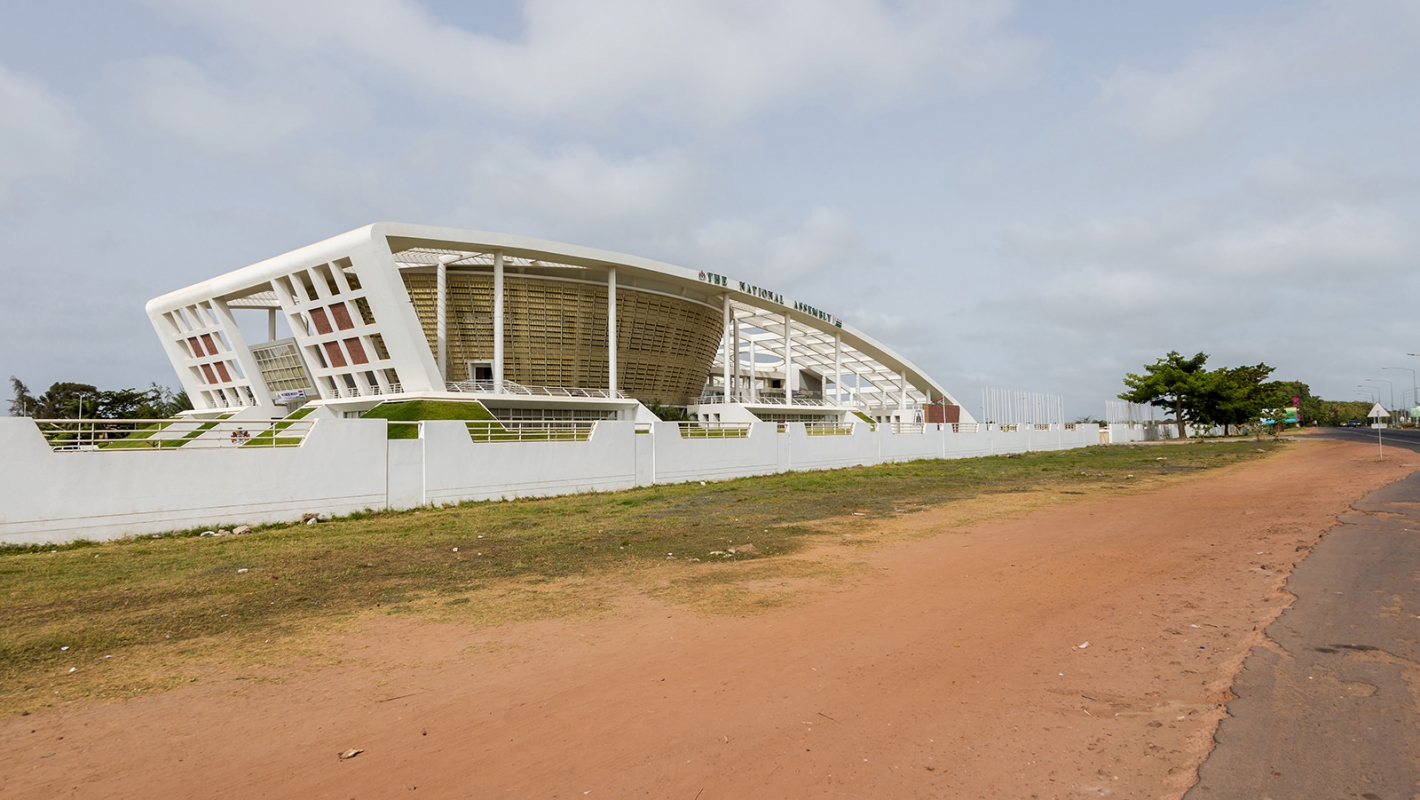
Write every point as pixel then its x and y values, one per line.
pixel 838 369
pixel 498 322
pixel 729 319
pixel 270 324
pixel 788 360
pixel 738 391
pixel 902 386
pixel 611 329
pixel 441 301
pixel 753 389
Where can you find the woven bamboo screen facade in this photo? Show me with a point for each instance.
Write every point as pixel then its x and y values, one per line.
pixel 555 334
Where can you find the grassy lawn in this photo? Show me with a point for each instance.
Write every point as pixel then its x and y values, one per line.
pixel 417 410
pixel 160 605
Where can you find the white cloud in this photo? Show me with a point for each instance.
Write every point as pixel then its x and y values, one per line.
pixel 579 182
pixel 698 60
pixel 181 99
pixel 825 241
pixel 1340 241
pixel 1331 45
pixel 40 136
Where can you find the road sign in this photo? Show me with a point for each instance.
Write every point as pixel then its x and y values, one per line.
pixel 1377 412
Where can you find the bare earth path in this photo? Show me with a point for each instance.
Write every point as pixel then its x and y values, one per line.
pixel 950 666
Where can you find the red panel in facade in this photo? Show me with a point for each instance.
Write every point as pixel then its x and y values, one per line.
pixel 333 354
pixel 196 347
pixel 321 320
pixel 357 351
pixel 222 372
pixel 342 317
pixel 207 370
pixel 939 413
pixel 211 347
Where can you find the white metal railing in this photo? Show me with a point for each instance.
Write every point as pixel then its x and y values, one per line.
pixel 499 431
pixel 828 428
pixel 123 435
pixel 713 430
pixel 965 427
pixel 908 427
pixel 762 400
pixel 491 387
pixel 533 431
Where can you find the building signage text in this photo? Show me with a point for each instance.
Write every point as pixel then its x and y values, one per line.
pixel 772 296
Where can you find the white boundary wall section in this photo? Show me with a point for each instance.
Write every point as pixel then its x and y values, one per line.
pixel 347 465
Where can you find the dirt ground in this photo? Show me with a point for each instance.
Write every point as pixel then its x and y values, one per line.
pixel 1081 650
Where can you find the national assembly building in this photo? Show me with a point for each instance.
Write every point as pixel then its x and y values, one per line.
pixel 534 330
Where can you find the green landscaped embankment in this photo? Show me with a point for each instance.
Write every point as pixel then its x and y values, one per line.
pixel 155 604
pixel 265 438
pixel 421 410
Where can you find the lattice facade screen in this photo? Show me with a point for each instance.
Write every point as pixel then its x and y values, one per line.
pixel 282 367
pixel 555 334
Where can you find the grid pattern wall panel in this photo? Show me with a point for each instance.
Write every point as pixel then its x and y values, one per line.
pixel 335 343
pixel 282 367
pixel 664 346
pixel 555 334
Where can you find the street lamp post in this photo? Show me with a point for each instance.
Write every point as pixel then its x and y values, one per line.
pixel 1413 385
pixel 1392 389
pixel 80 437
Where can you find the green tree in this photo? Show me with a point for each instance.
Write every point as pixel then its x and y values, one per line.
pixel 1232 396
pixel 65 400
pixel 62 401
pixel 23 403
pixel 1173 382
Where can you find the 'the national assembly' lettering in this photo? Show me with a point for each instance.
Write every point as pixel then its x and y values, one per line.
pixel 773 297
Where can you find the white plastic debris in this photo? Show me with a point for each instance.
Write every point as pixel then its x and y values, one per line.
pixel 456 549
pixel 73 670
pixel 65 647
pixel 1083 646
pixel 242 571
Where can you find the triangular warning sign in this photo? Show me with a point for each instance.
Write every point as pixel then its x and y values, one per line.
pixel 1377 411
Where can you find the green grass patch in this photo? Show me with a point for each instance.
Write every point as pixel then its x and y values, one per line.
pixel 420 410
pixel 152 600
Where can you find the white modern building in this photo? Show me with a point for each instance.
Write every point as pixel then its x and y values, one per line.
pixel 533 329
pixel 570 349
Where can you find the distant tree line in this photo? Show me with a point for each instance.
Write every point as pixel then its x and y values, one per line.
pixel 65 400
pixel 1227 397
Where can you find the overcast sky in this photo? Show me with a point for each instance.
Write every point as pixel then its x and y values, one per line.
pixel 1039 195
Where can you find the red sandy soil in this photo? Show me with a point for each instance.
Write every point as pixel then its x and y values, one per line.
pixel 948 666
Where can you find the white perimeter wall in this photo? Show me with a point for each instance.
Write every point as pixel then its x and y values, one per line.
pixel 346 465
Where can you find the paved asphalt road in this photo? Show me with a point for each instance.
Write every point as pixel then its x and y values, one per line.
pixel 1331 710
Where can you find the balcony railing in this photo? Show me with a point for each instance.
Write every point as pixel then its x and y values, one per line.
pixel 774 397
pixel 121 435
pixel 509 387
pixel 713 430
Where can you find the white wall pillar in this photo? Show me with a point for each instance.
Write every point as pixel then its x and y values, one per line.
pixel 729 318
pixel 838 369
pixel 788 360
pixel 611 329
pixel 902 397
pixel 753 389
pixel 739 392
pixel 441 336
pixel 270 324
pixel 498 322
